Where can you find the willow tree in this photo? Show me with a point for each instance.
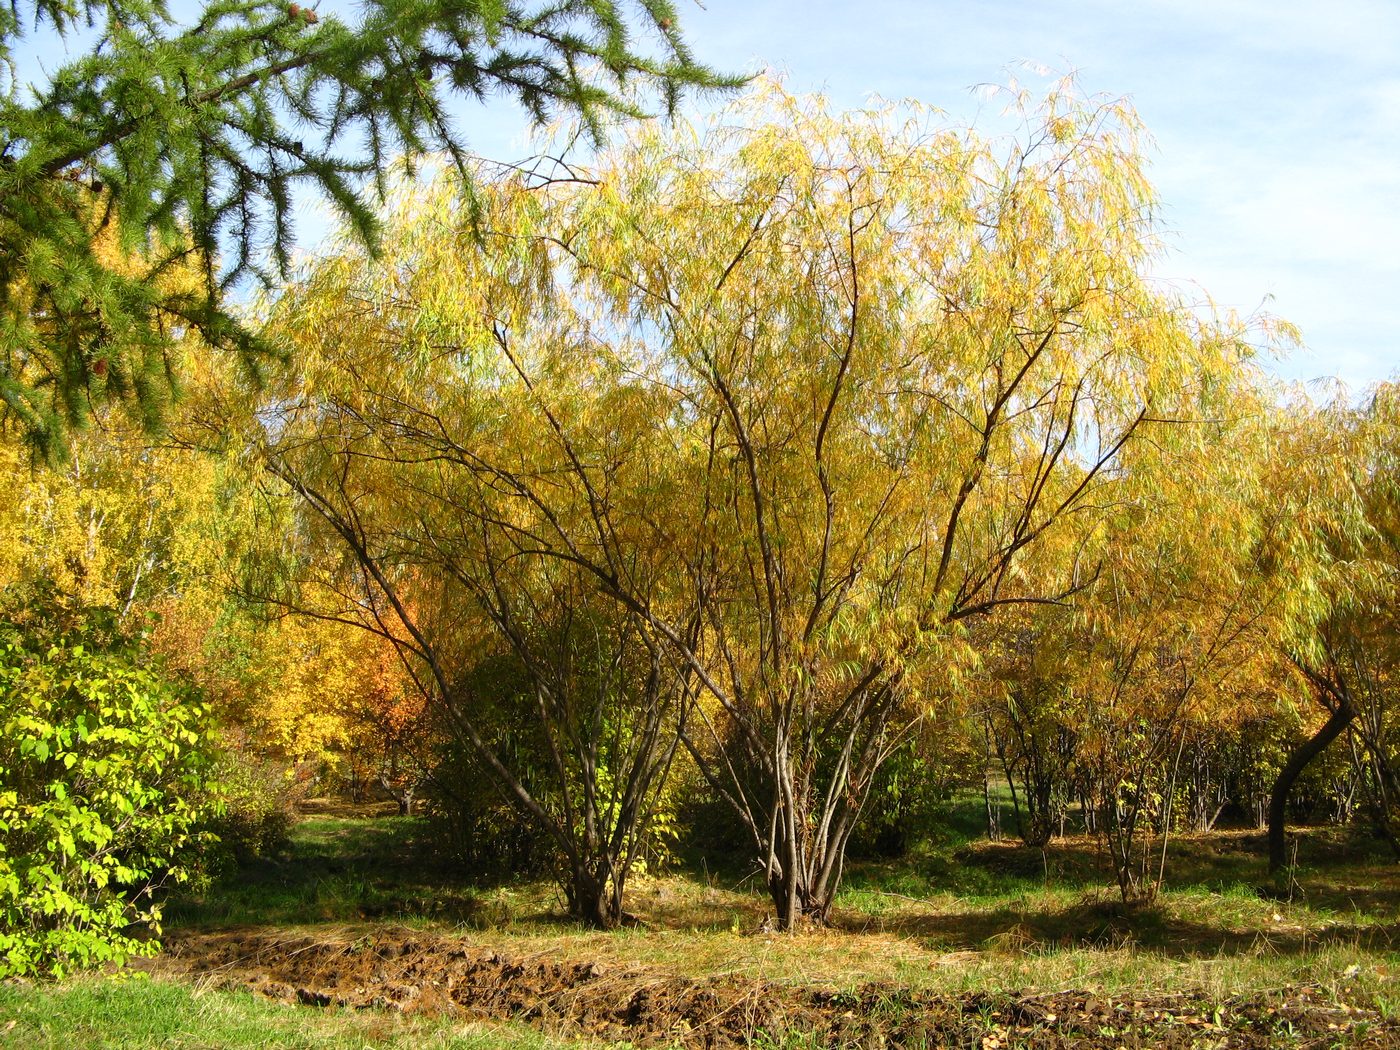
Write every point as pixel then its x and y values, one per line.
pixel 914 360
pixel 1337 538
pixel 802 394
pixel 1179 638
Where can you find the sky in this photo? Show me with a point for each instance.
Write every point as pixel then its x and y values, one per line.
pixel 1277 128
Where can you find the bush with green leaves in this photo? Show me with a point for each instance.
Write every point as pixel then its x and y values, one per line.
pixel 256 805
pixel 102 761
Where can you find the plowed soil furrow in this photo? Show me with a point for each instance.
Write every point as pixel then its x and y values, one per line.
pixel 649 1006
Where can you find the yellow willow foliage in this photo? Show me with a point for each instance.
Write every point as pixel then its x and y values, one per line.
pixel 1334 494
pixel 1247 558
pixel 1330 501
pixel 1185 624
pixel 867 375
pixel 114 525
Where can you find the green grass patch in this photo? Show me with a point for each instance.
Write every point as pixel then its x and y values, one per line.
pixel 104 1014
pixel 339 870
pixel 957 915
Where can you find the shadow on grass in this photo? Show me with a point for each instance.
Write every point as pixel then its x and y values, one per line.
pixel 1216 902
pixel 336 870
pixel 954 896
pixel 1105 924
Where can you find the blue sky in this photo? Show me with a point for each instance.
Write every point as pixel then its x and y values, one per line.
pixel 1277 127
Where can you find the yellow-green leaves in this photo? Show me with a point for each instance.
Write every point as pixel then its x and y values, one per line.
pixel 804 394
pixel 103 764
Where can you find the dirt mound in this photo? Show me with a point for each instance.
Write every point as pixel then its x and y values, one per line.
pixel 650 1007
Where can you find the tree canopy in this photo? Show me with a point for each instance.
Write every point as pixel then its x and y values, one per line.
pixel 802 394
pixel 178 147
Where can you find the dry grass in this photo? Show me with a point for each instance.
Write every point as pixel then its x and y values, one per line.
pixel 983 916
pixel 961 917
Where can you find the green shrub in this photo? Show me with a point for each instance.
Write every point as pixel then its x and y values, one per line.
pixel 256 806
pixel 101 764
pixel 481 832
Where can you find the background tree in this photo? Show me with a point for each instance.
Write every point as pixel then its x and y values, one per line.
pixel 1181 633
pixel 182 145
pixel 1335 498
pixel 892 373
pixel 1033 716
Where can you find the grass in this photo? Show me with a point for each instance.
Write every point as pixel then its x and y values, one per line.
pixel 96 1013
pixel 337 869
pixel 959 915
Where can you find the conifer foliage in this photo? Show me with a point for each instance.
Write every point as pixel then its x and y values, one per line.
pixel 182 143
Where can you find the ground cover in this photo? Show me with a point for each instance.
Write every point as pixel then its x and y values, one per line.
pixel 360 935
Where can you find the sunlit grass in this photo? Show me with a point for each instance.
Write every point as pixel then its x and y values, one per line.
pixel 957 915
pixel 97 1013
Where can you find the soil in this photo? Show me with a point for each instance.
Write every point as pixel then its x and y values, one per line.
pixel 649 1006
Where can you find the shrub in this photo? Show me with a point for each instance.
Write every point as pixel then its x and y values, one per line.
pixel 475 825
pixel 256 805
pixel 101 761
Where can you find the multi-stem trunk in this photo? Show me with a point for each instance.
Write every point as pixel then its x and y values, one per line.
pixel 594 891
pixel 817 804
pixel 804 889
